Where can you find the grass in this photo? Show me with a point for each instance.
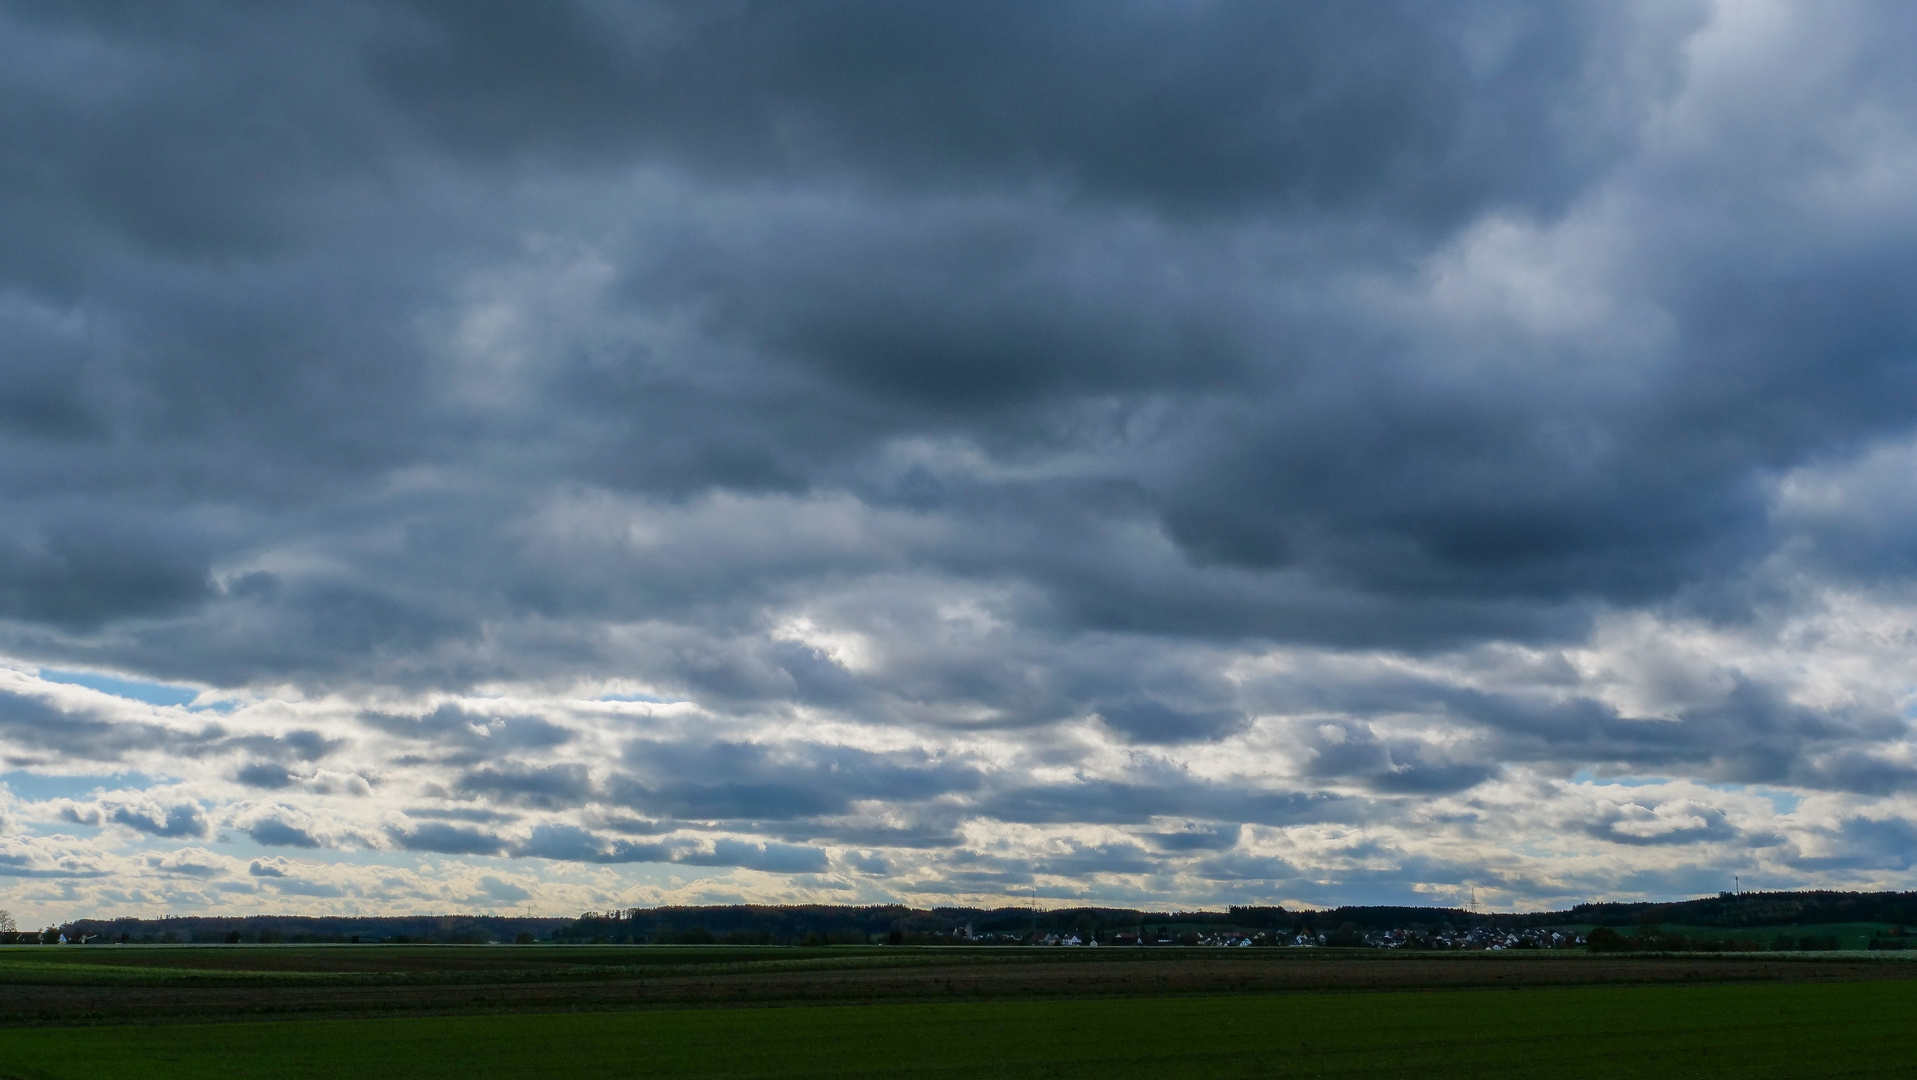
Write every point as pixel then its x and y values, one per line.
pixel 148 965
pixel 1767 1031
pixel 97 986
pixel 347 965
pixel 151 965
pixel 1848 935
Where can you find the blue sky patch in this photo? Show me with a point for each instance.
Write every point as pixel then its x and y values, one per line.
pixel 38 788
pixel 150 692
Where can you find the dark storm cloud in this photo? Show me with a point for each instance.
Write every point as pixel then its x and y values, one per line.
pixel 1855 770
pixel 12 865
pixel 187 819
pixel 1139 802
pixel 569 843
pixel 967 869
pixel 103 729
pixel 479 815
pixel 1683 822
pixel 801 791
pixel 822 334
pixel 1751 734
pixel 296 745
pixel 463 736
pixel 71 573
pixel 912 827
pixel 974 370
pixel 1888 843
pixel 181 820
pixel 307 888
pixel 1152 721
pixel 264 775
pixel 446 839
pixel 776 858
pixel 1084 859
pixel 550 786
pixel 495 889
pixel 274 832
pixel 1240 867
pixel 1371 103
pixel 42 725
pixel 1197 838
pixel 743 781
pixel 38 729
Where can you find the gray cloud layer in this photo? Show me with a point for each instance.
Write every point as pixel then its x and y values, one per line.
pixel 1119 427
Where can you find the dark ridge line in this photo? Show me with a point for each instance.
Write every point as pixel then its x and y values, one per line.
pixel 795 922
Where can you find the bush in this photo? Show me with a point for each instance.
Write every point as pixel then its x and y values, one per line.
pixel 1605 939
pixel 1347 936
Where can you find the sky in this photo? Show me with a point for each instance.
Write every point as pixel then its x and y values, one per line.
pixel 546 457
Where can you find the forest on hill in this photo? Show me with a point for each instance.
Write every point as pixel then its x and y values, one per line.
pixel 842 924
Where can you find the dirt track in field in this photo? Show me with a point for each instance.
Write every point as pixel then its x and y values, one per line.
pixel 1159 975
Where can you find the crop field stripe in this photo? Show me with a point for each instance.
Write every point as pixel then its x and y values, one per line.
pixel 1767 1031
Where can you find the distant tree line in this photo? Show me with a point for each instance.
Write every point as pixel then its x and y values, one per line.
pixel 822 924
pixel 1757 909
pixel 296 929
pixel 827 924
pixel 1657 939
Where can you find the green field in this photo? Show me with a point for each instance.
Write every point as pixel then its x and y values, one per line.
pixel 176 984
pixel 426 1011
pixel 1854 935
pixel 1801 1030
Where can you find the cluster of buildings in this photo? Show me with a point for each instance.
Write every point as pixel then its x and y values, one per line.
pixel 1480 937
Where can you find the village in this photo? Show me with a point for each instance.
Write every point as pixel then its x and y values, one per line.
pixel 1475 938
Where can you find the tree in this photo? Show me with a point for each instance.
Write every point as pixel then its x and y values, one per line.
pixel 1348 936
pixel 7 925
pixel 1605 939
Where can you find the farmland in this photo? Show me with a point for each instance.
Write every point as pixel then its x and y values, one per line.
pixel 147 984
pixel 1855 935
pixel 300 1011
pixel 1772 1030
